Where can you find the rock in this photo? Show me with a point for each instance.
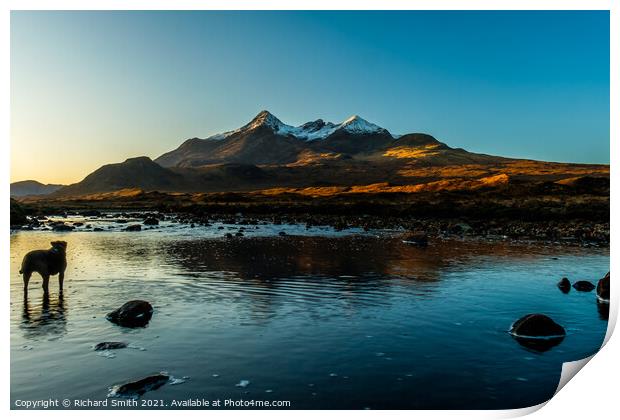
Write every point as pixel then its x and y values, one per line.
pixel 110 345
pixel 583 286
pixel 133 228
pixel 135 313
pixel 90 213
pixel 150 221
pixel 537 332
pixel 459 229
pixel 61 227
pixel 602 289
pixel 564 285
pixel 239 234
pixel 139 387
pixel 536 325
pixel 416 239
pixel 229 235
pixel 78 224
pixel 97 229
pixel 603 310
pixel 282 233
pixel 17 214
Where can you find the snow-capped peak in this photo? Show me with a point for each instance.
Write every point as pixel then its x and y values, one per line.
pixel 312 130
pixel 264 118
pixel 356 124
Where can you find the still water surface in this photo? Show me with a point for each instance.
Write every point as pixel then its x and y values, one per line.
pixel 323 319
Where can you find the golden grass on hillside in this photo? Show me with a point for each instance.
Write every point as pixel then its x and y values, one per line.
pixel 124 193
pixel 510 168
pixel 313 158
pixel 407 152
pixel 453 184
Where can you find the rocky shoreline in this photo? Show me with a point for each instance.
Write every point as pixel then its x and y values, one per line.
pixel 581 233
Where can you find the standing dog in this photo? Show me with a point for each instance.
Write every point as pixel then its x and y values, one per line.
pixel 47 263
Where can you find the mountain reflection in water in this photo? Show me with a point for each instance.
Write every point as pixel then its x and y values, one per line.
pixel 397 326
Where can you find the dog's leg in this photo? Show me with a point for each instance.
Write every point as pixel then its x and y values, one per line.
pixel 61 279
pixel 46 282
pixel 26 275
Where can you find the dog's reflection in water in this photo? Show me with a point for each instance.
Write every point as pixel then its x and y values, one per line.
pixel 44 318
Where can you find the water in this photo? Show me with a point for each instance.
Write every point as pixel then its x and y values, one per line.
pixel 327 320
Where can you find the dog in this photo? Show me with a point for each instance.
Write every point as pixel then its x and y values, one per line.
pixel 47 263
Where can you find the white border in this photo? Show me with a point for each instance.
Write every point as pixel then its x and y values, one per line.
pixel 592 395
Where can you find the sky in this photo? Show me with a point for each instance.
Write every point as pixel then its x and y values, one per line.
pixel 91 88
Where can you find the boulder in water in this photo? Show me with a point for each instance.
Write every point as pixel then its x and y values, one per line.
pixel 537 325
pixel 133 228
pixel 110 345
pixel 135 313
pixel 90 213
pixel 537 332
pixel 151 221
pixel 139 387
pixel 602 289
pixel 564 285
pixel 603 310
pixel 583 286
pixel 61 227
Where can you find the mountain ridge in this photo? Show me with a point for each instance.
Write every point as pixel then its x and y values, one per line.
pixel 32 187
pixel 266 153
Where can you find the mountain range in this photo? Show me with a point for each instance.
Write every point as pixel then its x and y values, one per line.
pixel 31 187
pixel 266 153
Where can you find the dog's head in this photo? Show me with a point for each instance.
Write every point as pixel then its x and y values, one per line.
pixel 60 246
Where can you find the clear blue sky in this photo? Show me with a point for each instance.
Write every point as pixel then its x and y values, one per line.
pixel 89 88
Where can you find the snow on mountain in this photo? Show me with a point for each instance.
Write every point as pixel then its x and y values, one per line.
pixel 310 131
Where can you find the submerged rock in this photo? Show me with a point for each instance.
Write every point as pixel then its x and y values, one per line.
pixel 135 313
pixel 139 387
pixel 110 345
pixel 537 332
pixel 243 383
pixel 583 286
pixel 602 289
pixel 564 285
